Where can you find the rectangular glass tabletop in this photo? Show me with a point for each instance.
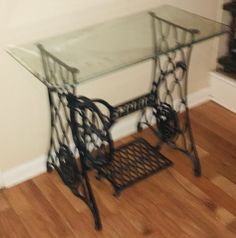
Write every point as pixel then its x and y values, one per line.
pixel 116 44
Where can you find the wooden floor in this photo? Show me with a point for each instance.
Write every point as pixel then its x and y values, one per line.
pixel 172 203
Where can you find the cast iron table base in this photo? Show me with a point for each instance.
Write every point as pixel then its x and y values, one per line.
pixel 89 121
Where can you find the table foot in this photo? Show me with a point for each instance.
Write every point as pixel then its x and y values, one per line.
pixel 197 165
pixel 49 167
pixel 139 127
pixel 117 193
pixel 98 176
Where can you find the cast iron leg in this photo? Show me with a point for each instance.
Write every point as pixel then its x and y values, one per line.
pixel 60 80
pixel 63 160
pixel 194 156
pixel 92 204
pixel 60 130
pixel 168 94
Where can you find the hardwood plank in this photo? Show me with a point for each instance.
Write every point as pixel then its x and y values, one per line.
pixel 82 227
pixel 183 166
pixel 36 213
pixel 11 226
pixel 218 114
pixel 202 216
pixel 218 123
pixel 232 227
pixel 221 154
pixel 226 185
pixel 146 216
pixel 3 202
pixel 222 215
pixel 77 204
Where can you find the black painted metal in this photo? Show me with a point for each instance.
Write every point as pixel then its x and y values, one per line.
pixel 90 132
pixel 131 163
pixel 169 88
pixel 167 121
pixel 63 152
pixel 80 127
pixel 134 105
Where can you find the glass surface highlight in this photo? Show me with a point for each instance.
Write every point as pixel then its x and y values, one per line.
pixel 116 44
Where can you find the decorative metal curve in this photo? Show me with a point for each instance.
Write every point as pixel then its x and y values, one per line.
pixel 167 121
pixel 91 131
pixel 169 88
pixel 67 168
pixel 61 80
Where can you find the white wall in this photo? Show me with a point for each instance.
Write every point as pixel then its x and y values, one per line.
pixel 24 127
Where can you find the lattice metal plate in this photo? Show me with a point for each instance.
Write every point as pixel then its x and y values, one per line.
pixel 133 162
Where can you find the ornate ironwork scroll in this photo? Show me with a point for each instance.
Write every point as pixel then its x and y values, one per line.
pixel 63 153
pixel 90 129
pixel 172 47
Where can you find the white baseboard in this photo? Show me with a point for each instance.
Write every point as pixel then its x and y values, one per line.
pixel 24 172
pixel 223 90
pixel 199 97
pixel 125 127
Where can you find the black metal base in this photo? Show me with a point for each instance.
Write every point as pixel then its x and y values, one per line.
pixel 133 162
pixel 89 121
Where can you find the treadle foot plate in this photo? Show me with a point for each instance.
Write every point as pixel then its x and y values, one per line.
pixel 133 162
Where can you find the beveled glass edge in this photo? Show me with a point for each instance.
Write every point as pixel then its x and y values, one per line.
pixel 213 36
pixel 149 57
pixel 36 74
pixel 143 59
pixel 94 77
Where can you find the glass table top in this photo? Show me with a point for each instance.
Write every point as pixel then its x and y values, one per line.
pixel 119 43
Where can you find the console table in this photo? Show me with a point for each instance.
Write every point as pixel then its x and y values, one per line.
pixel 80 126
